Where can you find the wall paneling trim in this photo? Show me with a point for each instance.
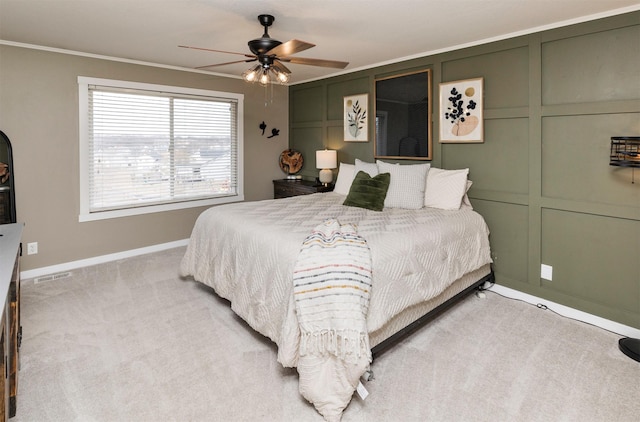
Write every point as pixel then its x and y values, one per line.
pixel 542 179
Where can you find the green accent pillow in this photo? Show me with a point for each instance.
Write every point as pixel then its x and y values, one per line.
pixel 368 192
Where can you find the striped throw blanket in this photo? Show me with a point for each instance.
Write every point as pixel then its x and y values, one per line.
pixel 332 284
pixel 331 287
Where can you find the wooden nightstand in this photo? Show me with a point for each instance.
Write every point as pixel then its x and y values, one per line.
pixel 284 188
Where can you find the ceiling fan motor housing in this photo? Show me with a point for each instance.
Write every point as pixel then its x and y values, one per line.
pixel 260 46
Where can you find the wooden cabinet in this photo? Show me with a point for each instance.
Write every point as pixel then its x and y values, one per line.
pixel 4 363
pixel 284 188
pixel 11 330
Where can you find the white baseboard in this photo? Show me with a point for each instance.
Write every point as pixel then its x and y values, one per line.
pixel 38 272
pixel 566 311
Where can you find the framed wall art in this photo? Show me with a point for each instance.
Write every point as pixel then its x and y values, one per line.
pixel 461 106
pixel 356 118
pixel 403 121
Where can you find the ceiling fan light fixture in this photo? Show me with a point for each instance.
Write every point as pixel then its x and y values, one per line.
pixel 282 76
pixel 252 74
pixel 264 73
pixel 264 77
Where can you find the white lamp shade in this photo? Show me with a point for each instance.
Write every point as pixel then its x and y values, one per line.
pixel 326 159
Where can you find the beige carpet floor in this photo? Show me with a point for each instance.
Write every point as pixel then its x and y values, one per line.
pixel 131 341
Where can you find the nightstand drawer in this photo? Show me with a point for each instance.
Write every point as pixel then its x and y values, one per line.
pixel 285 188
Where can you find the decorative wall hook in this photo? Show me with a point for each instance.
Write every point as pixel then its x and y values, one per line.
pixel 274 132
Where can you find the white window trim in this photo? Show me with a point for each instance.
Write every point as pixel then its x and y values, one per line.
pixel 83 101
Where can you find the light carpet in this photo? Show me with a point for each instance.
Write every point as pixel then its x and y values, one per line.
pixel 131 341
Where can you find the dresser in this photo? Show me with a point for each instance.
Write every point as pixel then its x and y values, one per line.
pixel 284 188
pixel 10 329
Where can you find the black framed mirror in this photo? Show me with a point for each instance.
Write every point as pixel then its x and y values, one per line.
pixel 403 126
pixel 7 187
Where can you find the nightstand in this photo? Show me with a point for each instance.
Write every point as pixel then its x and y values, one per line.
pixel 284 188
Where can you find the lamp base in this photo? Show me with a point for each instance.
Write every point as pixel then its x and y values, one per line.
pixel 630 347
pixel 325 176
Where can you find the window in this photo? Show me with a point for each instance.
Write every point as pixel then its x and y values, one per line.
pixel 147 148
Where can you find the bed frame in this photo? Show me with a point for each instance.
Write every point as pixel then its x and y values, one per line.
pixel 405 332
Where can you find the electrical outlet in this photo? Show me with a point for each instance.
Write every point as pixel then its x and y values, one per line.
pixel 546 272
pixel 32 248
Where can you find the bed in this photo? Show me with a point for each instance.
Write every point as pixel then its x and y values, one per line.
pixel 422 259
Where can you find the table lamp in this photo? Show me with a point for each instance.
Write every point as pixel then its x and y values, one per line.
pixel 325 161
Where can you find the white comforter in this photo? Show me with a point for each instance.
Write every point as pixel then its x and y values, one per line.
pixel 247 252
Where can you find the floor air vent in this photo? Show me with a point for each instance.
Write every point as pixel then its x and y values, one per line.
pixel 51 277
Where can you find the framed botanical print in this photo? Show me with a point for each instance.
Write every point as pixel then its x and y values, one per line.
pixel 356 118
pixel 461 106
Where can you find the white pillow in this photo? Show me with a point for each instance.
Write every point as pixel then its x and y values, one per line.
pixel 466 203
pixel 370 168
pixel 445 188
pixel 345 178
pixel 406 188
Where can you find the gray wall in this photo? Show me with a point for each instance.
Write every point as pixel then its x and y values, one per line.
pixel 542 178
pixel 39 113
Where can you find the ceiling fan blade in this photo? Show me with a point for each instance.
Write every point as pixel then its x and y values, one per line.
pixel 216 51
pixel 290 47
pixel 222 64
pixel 282 66
pixel 315 62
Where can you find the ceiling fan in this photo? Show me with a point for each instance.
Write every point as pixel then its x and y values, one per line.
pixel 270 53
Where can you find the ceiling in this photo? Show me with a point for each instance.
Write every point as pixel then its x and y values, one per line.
pixel 365 33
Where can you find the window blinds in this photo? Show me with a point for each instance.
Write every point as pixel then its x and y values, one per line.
pixel 149 148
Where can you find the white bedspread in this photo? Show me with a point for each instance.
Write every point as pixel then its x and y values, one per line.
pixel 247 252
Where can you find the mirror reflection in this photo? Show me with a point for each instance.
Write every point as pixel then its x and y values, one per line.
pixel 403 116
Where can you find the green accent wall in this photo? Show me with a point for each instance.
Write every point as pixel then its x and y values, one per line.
pixel 541 179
